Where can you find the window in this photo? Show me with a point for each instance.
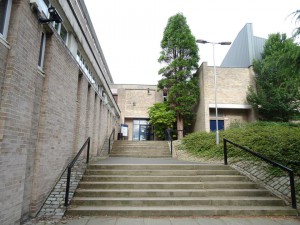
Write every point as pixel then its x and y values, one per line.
pixel 63 33
pixel 5 6
pixel 42 51
pixel 61 30
pixel 212 112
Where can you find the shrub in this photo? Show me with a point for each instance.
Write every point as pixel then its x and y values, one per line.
pixel 278 141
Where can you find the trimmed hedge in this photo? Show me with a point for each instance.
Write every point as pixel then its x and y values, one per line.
pixel 278 141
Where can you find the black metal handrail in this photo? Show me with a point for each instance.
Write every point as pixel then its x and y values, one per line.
pixel 264 158
pixel 109 140
pixel 170 139
pixel 71 164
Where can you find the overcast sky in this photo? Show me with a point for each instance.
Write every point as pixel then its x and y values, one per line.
pixel 130 31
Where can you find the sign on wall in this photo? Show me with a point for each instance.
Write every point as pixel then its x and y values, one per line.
pixel 124 130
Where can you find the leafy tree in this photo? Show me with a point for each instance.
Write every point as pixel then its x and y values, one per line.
pixel 180 56
pixel 277 95
pixel 161 117
pixel 296 16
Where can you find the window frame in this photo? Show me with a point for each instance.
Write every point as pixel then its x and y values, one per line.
pixel 3 34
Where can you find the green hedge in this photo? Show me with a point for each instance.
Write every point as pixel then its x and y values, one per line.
pixel 278 141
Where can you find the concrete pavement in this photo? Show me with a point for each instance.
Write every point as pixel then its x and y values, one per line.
pixel 182 221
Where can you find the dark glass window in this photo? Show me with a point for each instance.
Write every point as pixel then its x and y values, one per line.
pixel 42 50
pixel 63 33
pixel 3 12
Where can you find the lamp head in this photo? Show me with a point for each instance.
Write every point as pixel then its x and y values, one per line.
pixel 225 43
pixel 54 16
pixel 201 41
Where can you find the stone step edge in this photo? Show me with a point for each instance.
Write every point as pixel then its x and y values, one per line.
pixel 165 176
pixel 172 182
pixel 213 198
pixel 180 208
pixel 171 190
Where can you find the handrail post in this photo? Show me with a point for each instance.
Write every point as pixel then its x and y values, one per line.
pixel 109 145
pixel 171 147
pixel 88 151
pixel 225 151
pixel 68 187
pixel 293 193
pixel 109 141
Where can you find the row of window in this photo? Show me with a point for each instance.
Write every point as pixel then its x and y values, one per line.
pixel 83 64
pixel 5 9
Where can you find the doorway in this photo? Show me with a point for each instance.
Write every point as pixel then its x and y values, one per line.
pixel 141 130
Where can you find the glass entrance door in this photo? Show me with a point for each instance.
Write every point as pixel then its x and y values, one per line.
pixel 141 130
pixel 144 132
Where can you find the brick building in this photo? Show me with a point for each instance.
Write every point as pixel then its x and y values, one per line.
pixel 134 101
pixel 234 76
pixel 54 93
pixel 232 105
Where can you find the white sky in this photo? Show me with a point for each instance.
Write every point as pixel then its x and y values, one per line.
pixel 130 31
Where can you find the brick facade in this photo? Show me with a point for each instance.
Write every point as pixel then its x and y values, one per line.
pixel 134 101
pixel 45 116
pixel 232 86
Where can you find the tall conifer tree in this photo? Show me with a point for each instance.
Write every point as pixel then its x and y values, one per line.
pixel 180 58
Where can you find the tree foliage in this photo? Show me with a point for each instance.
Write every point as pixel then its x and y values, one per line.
pixel 180 56
pixel 161 117
pixel 296 17
pixel 277 94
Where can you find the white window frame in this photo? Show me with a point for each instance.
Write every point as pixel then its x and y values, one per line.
pixel 6 20
pixel 42 51
pixel 59 25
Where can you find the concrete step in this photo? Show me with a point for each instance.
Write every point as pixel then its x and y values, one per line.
pixel 179 211
pixel 170 192
pixel 161 172
pixel 168 185
pixel 163 178
pixel 141 155
pixel 154 167
pixel 183 201
pixel 140 149
pixel 140 143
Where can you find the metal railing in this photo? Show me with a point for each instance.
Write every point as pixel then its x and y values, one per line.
pixel 275 164
pixel 71 164
pixel 112 135
pixel 170 139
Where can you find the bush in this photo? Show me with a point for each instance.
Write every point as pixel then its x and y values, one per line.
pixel 278 141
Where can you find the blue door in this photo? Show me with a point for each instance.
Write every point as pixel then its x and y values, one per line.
pixel 213 125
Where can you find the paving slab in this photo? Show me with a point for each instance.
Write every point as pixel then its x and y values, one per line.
pixel 158 221
pixel 238 221
pixel 210 221
pixel 181 221
pixel 102 221
pixel 130 221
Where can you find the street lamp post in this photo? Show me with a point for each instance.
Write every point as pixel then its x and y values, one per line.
pixel 215 80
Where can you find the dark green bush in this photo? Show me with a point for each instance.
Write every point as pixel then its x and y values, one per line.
pixel 278 141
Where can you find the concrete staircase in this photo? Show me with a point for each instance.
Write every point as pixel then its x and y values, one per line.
pixel 141 149
pixel 171 190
